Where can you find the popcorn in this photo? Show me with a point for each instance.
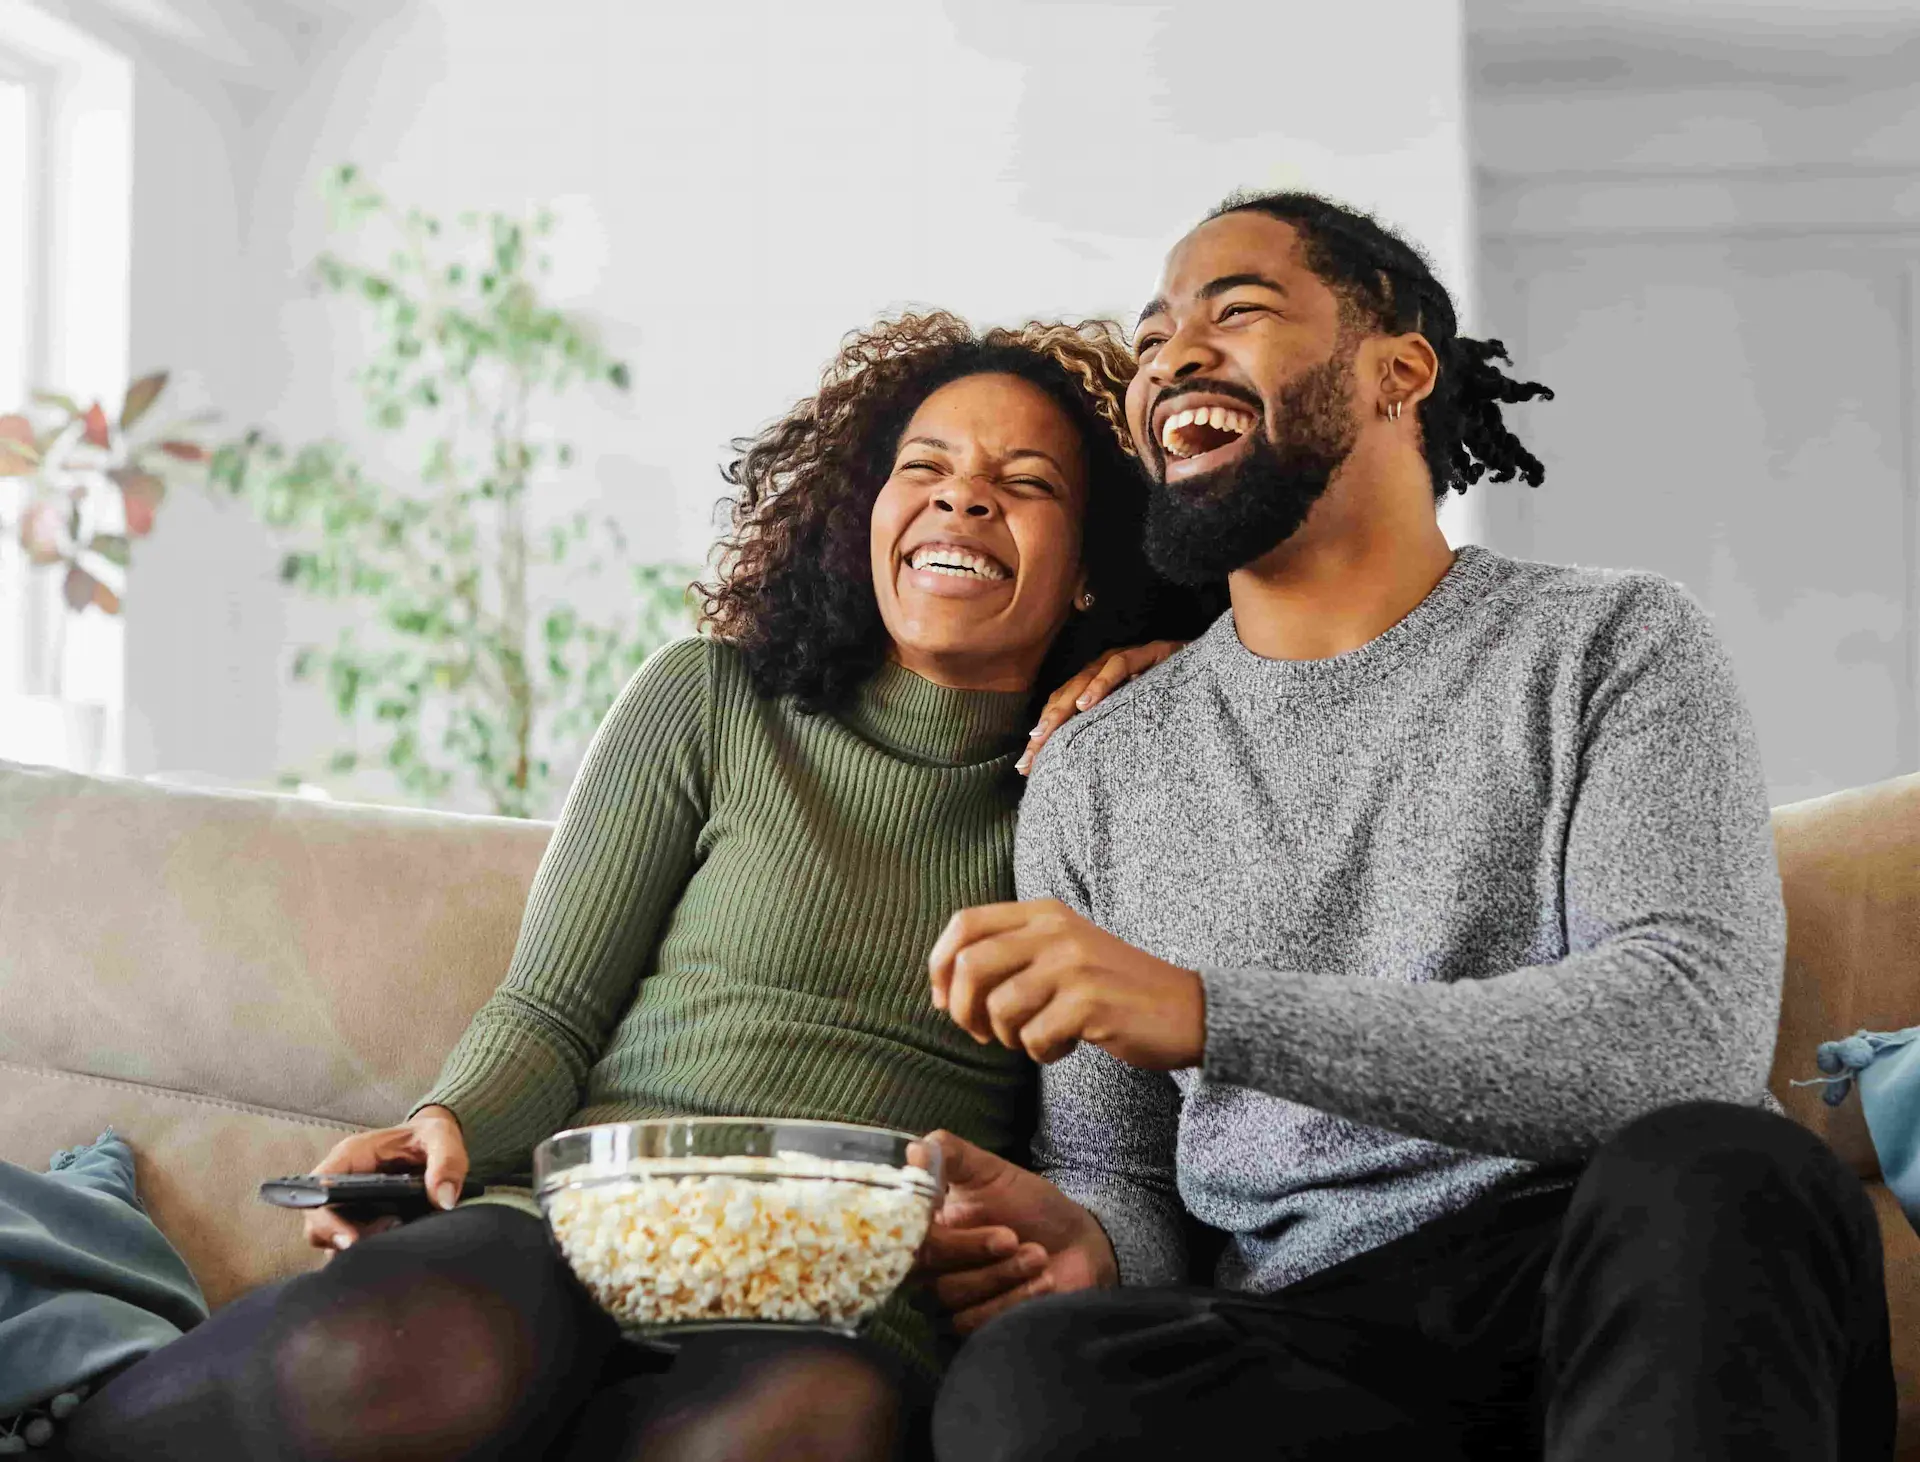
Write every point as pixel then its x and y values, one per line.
pixel 791 1238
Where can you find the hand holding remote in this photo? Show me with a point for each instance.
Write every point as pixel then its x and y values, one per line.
pixel 430 1140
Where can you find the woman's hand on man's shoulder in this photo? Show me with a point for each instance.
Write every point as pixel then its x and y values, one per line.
pixel 1092 685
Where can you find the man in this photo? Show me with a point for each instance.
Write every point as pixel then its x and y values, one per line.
pixel 1415 935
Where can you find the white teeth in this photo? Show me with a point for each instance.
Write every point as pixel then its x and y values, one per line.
pixel 1220 418
pixel 958 562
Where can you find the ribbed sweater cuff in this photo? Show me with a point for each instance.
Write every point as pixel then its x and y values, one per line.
pixel 1148 1244
pixel 1246 1034
pixel 507 1102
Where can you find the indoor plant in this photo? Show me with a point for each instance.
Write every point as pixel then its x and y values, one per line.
pixel 472 670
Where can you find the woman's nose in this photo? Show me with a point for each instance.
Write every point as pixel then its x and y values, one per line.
pixel 962 496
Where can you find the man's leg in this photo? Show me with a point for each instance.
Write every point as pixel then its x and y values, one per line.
pixel 1717 1293
pixel 1426 1346
pixel 1124 1374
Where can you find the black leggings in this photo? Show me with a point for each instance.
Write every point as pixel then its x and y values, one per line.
pixel 465 1336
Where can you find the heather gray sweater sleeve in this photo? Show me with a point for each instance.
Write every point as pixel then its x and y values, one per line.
pixel 1675 937
pixel 1107 1132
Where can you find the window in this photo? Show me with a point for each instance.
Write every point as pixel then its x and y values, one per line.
pixel 66 186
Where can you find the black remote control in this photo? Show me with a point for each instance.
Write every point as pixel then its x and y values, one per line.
pixel 359 1196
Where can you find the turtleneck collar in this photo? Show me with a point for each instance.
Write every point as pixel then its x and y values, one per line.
pixel 913 718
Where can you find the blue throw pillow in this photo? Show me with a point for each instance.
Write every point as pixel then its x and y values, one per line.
pixel 87 1283
pixel 1886 1067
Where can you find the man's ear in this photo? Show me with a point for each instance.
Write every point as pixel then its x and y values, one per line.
pixel 1408 367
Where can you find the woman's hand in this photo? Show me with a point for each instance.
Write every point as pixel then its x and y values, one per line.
pixel 1091 686
pixel 1038 977
pixel 430 1140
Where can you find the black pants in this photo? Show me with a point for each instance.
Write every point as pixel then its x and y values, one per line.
pixel 1709 1288
pixel 465 1336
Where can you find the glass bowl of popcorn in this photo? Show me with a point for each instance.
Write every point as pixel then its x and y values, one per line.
pixel 691 1223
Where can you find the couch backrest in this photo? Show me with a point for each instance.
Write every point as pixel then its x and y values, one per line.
pixel 1850 870
pixel 233 981
pixel 276 951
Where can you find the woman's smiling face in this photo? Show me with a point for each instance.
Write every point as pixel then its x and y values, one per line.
pixel 976 535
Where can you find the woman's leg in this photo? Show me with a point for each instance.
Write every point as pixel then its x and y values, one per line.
pixel 460 1336
pixel 744 1396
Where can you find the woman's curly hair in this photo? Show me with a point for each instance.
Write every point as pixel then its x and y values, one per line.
pixel 794 584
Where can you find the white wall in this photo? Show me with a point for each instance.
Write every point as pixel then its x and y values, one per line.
pixel 740 183
pixel 1719 273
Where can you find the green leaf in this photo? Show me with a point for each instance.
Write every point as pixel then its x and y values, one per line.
pixel 65 403
pixel 343 762
pixel 112 547
pixel 619 375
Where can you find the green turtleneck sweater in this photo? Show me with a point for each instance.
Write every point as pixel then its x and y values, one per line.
pixel 734 915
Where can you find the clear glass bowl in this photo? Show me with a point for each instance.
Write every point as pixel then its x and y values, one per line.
pixel 719 1222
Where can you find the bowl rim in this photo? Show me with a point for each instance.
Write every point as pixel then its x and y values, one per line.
pixel 711 1121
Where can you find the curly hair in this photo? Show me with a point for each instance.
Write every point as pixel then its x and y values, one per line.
pixel 793 590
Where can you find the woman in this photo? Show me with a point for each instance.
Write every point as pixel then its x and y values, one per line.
pixel 765 838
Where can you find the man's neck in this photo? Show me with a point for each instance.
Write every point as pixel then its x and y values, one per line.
pixel 1361 563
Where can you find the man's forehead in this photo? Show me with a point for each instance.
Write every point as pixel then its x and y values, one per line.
pixel 1245 243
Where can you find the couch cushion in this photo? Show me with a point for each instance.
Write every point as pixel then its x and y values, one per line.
pixel 201 1162
pixel 301 956
pixel 1850 869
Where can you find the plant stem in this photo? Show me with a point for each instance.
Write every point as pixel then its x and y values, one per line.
pixel 513 586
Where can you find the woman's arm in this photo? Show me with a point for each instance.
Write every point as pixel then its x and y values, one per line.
pixel 620 856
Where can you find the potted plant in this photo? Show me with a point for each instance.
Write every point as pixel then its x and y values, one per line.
pixel 77 489
pixel 472 674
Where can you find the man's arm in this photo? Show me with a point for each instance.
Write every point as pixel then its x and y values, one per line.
pixel 1676 936
pixel 1670 990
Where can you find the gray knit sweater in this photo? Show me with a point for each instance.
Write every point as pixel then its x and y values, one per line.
pixel 1464 901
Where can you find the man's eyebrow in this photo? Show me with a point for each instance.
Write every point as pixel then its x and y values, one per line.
pixel 1234 281
pixel 1215 287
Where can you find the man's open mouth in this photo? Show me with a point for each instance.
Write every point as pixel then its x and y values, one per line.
pixel 1202 429
pixel 965 563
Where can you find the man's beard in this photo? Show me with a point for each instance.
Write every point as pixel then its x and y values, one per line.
pixel 1204 529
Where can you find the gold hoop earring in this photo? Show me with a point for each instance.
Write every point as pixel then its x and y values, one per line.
pixel 1391 411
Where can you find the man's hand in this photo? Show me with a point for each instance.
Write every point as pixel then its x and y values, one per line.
pixel 1004 1235
pixel 1039 978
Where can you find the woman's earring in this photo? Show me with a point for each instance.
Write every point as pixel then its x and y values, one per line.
pixel 1085 601
pixel 1391 411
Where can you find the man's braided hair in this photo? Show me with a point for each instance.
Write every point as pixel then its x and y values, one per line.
pixel 1386 286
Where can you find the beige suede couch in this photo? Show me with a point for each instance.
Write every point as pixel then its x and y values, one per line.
pixel 233 981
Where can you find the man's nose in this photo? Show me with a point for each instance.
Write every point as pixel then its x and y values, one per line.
pixel 1183 355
